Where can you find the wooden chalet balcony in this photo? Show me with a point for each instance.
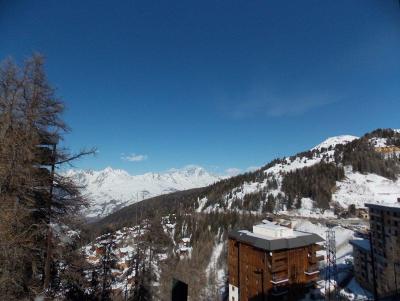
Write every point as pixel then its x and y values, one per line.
pixel 315 259
pixel 279 290
pixel 278 256
pixel 279 266
pixel 311 271
pixel 312 259
pixel 279 280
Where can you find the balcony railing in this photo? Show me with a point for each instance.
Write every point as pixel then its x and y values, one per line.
pixel 311 271
pixel 315 259
pixel 279 280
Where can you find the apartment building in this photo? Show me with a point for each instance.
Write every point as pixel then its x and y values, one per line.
pixel 382 253
pixel 272 262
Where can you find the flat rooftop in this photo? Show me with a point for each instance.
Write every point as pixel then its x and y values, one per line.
pixel 395 207
pixel 296 239
pixel 362 244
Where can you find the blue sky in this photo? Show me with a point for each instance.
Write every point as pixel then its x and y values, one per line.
pixel 222 84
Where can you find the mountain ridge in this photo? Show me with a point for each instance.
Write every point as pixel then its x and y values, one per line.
pixel 353 170
pixel 111 189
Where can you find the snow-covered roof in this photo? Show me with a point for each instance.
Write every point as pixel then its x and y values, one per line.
pixel 296 240
pixel 272 230
pixel 385 206
pixel 127 249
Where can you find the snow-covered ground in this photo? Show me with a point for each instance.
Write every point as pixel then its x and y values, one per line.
pixel 359 189
pixel 343 236
pixel 308 210
pixel 355 292
pixel 111 189
pixel 213 271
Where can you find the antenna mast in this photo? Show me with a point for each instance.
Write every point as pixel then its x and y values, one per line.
pixel 331 274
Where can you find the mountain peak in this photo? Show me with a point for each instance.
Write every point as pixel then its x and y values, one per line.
pixel 192 170
pixel 335 140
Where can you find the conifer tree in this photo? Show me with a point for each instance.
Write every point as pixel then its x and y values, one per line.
pixel 34 197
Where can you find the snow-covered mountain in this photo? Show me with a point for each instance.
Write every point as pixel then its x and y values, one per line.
pixel 111 189
pixel 370 185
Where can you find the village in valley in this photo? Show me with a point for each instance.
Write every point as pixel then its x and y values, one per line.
pixel 301 263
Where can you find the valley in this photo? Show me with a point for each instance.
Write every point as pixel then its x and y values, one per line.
pixel 194 224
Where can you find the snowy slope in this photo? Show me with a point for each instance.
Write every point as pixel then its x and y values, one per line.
pixel 111 189
pixel 359 189
pixel 289 164
pixel 355 188
pixel 343 235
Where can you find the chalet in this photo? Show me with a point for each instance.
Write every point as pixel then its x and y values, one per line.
pixel 272 263
pixel 362 213
pixel 99 250
pixel 125 252
pixel 388 150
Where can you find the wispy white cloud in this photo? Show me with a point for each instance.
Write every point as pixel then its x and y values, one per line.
pixel 233 171
pixel 134 157
pixel 278 108
pixel 261 102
